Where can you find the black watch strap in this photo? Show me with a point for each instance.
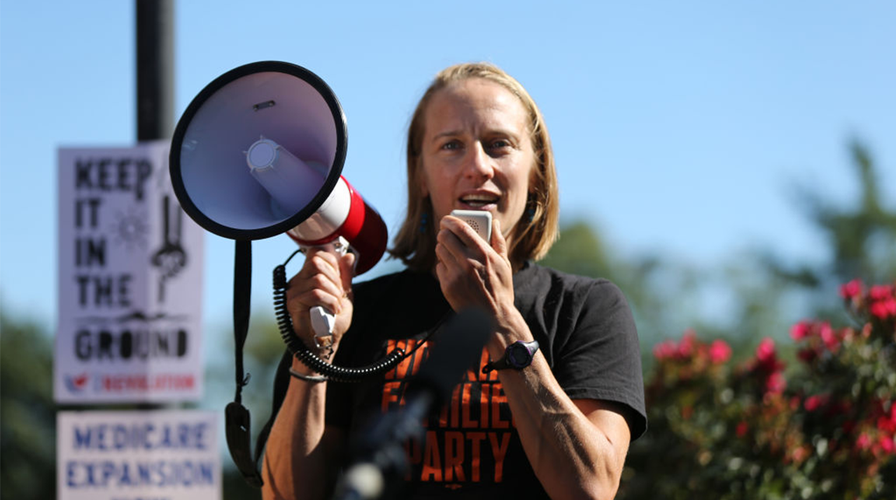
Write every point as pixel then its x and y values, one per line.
pixel 518 355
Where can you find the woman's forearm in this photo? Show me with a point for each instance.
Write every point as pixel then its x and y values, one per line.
pixel 574 453
pixel 297 457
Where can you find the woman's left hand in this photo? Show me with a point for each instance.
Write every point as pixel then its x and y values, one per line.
pixel 472 272
pixel 576 448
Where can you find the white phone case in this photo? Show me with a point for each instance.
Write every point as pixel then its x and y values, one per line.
pixel 479 220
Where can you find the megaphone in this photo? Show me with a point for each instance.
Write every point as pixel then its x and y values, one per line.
pixel 259 152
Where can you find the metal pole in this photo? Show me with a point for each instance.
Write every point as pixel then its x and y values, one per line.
pixel 155 77
pixel 155 69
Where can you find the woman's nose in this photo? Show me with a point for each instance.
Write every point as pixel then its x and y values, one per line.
pixel 479 163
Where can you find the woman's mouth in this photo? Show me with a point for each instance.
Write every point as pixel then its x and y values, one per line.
pixel 479 201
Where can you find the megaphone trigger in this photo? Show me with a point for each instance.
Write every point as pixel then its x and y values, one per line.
pixel 322 322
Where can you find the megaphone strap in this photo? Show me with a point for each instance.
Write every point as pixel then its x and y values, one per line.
pixel 242 294
pixel 237 418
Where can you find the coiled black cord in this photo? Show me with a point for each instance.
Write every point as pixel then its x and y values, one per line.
pixel 311 360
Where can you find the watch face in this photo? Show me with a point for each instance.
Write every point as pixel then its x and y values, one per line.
pixel 518 356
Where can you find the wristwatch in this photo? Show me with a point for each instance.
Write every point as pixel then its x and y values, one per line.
pixel 518 355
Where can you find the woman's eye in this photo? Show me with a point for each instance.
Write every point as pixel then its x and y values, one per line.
pixel 499 145
pixel 451 145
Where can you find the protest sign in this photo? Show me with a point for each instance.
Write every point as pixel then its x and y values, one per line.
pixel 130 280
pixel 133 455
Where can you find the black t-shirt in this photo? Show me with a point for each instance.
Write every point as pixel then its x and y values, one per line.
pixel 584 328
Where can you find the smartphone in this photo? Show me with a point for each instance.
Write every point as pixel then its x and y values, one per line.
pixel 479 220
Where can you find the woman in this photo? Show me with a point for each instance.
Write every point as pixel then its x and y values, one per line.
pixel 557 422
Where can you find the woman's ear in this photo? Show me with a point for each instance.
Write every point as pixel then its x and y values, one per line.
pixel 421 184
pixel 534 180
pixel 531 199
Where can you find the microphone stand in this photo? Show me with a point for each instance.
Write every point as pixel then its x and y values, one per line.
pixel 380 461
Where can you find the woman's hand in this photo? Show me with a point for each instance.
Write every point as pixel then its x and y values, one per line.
pixel 472 272
pixel 324 280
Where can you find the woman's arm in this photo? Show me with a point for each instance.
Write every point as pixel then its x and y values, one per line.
pixel 299 459
pixel 301 450
pixel 576 448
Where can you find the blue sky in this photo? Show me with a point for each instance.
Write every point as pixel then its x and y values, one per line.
pixel 679 127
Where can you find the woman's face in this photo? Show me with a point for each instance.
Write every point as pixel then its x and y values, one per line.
pixel 477 152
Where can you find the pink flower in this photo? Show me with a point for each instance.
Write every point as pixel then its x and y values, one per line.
pixel 775 384
pixel 765 352
pixel 883 308
pixel 801 330
pixel 799 454
pixel 768 367
pixel 887 422
pixel 880 292
pixel 852 289
pixel 866 330
pixel 829 337
pixel 719 351
pixel 886 444
pixel 664 350
pixel 812 403
pixel 686 347
pixel 863 442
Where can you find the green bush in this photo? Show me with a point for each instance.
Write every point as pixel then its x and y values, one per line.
pixel 824 427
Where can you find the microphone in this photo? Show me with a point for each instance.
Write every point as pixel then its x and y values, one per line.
pixel 380 458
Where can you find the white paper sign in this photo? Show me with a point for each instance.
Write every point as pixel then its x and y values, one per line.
pixel 130 280
pixel 131 455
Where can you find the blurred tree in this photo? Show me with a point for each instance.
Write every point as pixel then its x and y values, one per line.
pixel 861 237
pixel 27 411
pixel 648 282
pixel 754 294
pixel 581 251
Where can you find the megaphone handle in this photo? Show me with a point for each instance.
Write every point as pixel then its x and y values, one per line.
pixel 322 319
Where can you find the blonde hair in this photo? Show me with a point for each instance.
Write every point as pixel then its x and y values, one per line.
pixel 415 242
